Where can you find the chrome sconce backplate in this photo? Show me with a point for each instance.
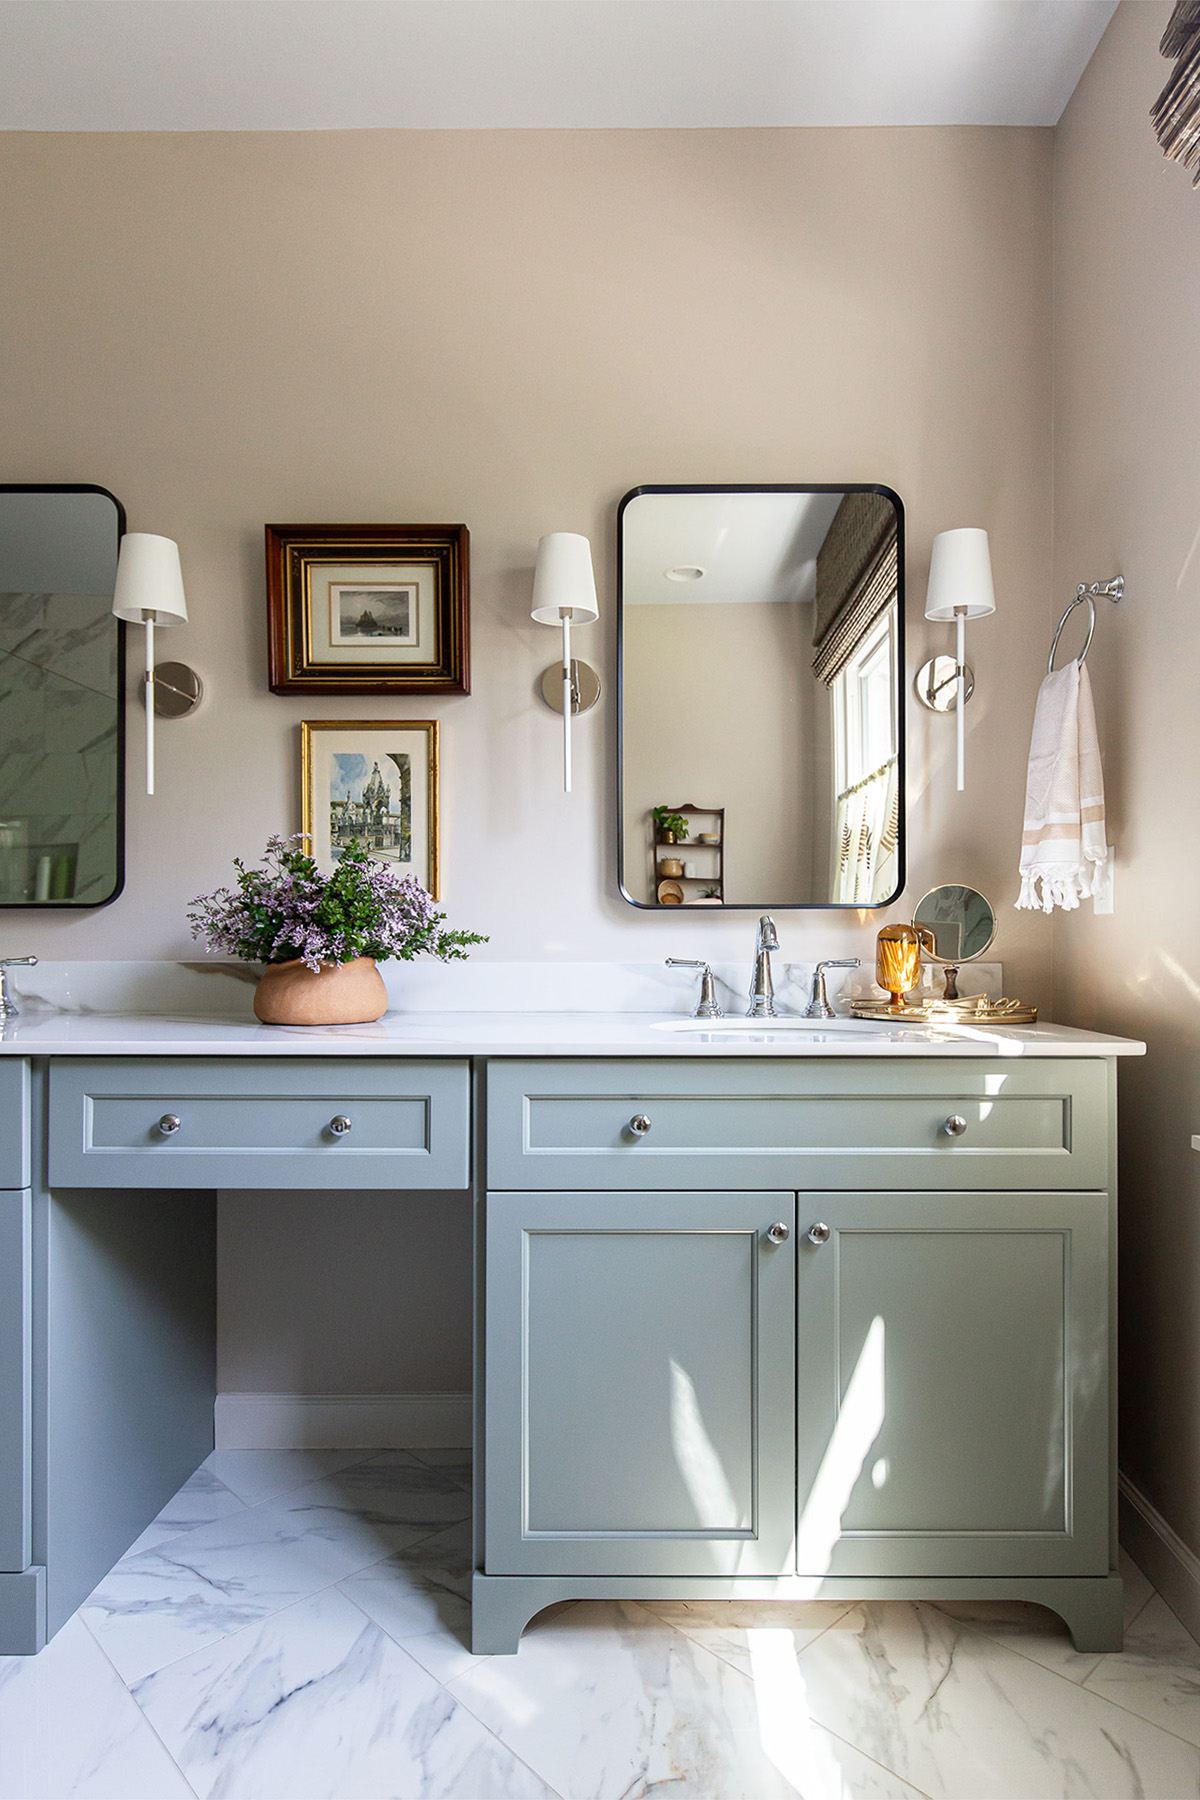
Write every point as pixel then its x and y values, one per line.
pixel 936 683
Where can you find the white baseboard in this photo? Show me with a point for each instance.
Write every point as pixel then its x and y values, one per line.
pixel 342 1421
pixel 1161 1554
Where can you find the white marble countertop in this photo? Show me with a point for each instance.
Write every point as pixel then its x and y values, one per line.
pixel 527 1033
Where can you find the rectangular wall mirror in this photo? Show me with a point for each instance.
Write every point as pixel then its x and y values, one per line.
pixel 61 698
pixel 761 656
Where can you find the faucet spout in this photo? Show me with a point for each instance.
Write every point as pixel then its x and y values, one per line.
pixel 762 988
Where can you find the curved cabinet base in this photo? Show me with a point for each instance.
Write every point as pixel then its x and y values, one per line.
pixel 502 1605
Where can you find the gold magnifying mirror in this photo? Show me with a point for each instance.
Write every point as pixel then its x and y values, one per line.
pixel 958 925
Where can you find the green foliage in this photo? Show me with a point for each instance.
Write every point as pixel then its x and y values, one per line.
pixel 665 821
pixel 288 909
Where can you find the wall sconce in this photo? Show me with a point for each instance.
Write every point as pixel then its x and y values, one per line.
pixel 149 592
pixel 960 588
pixel 564 593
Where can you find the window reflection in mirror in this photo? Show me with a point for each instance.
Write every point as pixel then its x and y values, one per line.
pixel 761 653
pixel 61 689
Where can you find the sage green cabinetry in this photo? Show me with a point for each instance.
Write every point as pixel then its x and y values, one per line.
pixel 640 1378
pixel 940 1306
pixel 953 1403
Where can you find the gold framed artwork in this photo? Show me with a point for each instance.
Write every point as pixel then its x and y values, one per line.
pixel 377 781
pixel 368 609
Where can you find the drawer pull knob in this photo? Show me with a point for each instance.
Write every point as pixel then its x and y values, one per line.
pixel 818 1233
pixel 339 1125
pixel 955 1125
pixel 639 1124
pixel 169 1124
pixel 778 1233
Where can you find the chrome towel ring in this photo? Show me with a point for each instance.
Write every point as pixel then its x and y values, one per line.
pixel 1113 590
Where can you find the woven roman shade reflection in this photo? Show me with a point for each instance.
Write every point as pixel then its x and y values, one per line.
pixel 1176 112
pixel 856 580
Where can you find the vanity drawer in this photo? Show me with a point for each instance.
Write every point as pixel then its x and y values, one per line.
pixel 258 1123
pixel 14 1123
pixel 802 1124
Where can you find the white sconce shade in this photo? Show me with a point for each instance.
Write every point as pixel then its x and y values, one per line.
pixel 149 592
pixel 564 579
pixel 564 593
pixel 960 588
pixel 960 576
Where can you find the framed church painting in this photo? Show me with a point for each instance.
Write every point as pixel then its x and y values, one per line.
pixel 377 781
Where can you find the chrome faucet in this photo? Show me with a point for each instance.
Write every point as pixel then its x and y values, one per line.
pixel 706 1006
pixel 818 1001
pixel 8 1006
pixel 762 989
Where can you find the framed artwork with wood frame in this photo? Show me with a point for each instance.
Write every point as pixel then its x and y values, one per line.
pixel 368 609
pixel 375 780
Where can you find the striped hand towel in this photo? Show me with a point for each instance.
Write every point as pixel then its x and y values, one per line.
pixel 1063 847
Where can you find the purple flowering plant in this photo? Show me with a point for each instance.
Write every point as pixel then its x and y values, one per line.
pixel 288 910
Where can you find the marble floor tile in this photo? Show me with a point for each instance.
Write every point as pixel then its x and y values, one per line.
pixel 455 1463
pixel 1040 1634
pixel 174 1597
pixel 200 1500
pixel 1138 1587
pixel 1157 1675
pixel 607 1702
pixel 963 1718
pixel 725 1626
pixel 258 1475
pixel 393 1488
pixel 70 1731
pixel 318 1703
pixel 422 1598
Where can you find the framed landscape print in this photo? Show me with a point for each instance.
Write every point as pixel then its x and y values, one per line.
pixel 368 609
pixel 377 781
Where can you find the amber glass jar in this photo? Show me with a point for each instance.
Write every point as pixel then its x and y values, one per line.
pixel 898 959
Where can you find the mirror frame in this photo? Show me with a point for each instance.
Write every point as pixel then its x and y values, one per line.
pixel 78 906
pixel 952 962
pixel 771 487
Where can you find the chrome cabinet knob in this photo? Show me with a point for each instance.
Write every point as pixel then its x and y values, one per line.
pixel 339 1125
pixel 778 1233
pixel 955 1125
pixel 639 1124
pixel 169 1124
pixel 818 1233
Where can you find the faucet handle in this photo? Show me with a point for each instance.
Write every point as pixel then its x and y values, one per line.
pixel 8 1006
pixel 818 1005
pixel 706 1006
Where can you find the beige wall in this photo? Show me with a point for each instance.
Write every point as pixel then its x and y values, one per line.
pixel 1127 497
pixel 512 329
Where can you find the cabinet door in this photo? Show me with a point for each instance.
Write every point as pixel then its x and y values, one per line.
pixel 640 1384
pixel 952 1385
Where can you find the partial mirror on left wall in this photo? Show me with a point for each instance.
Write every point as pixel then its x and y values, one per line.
pixel 62 691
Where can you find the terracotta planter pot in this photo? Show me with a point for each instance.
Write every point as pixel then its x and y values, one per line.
pixel 337 994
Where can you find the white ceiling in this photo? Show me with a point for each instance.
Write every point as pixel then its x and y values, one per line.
pixel 237 65
pixel 741 547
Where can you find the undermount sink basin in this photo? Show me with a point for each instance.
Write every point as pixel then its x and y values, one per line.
pixel 759 1027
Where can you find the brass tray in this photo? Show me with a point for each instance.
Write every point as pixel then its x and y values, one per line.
pixel 977 1010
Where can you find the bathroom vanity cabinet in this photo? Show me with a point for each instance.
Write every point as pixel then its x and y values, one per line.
pixel 798 1328
pixel 749 1326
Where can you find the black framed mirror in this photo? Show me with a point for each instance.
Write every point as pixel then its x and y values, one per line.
pixel 760 696
pixel 62 697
